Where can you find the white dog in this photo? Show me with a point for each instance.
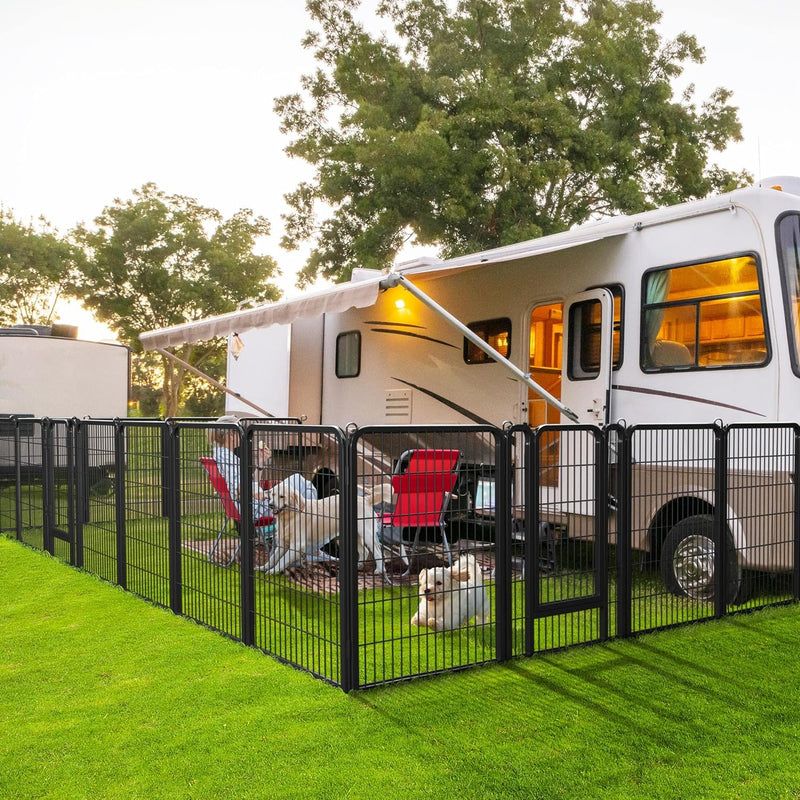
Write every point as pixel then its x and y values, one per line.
pixel 449 597
pixel 304 526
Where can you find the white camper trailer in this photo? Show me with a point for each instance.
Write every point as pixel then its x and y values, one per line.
pixel 685 314
pixel 45 374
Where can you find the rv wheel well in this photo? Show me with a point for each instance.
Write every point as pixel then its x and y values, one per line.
pixel 670 515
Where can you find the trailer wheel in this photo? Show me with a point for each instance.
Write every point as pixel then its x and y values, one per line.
pixel 687 561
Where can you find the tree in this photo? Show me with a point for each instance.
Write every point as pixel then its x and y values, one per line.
pixel 35 269
pixel 490 123
pixel 158 260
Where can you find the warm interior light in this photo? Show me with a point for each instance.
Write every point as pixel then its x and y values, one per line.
pixel 400 304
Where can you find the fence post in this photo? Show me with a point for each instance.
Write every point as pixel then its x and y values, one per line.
pixel 246 557
pixel 503 500
pixel 18 479
pixel 531 490
pixel 119 502
pixel 171 504
pixel 71 493
pixel 720 519
pixel 624 560
pixel 348 558
pixel 81 488
pixel 48 488
pixel 796 516
pixel 601 451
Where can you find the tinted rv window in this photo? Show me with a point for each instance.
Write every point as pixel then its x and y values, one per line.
pixel 585 323
pixel 703 316
pixel 496 333
pixel 789 259
pixel 348 354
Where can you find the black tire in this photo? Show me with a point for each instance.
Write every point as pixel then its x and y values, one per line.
pixel 687 561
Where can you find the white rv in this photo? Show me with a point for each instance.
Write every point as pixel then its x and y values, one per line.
pixel 684 314
pixel 44 374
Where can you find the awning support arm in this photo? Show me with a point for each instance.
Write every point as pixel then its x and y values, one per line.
pixel 396 279
pixel 200 374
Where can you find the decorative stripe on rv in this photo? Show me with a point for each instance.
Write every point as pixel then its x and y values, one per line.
pixel 690 397
pixel 414 336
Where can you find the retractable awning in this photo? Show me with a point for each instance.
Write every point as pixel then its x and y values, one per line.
pixel 359 294
pixel 364 293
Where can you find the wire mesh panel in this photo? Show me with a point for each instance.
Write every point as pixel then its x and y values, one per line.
pixel 96 454
pixel 146 509
pixel 761 511
pixel 59 489
pixel 297 558
pixel 427 602
pixel 674 486
pixel 564 513
pixel 27 499
pixel 209 539
pixel 521 480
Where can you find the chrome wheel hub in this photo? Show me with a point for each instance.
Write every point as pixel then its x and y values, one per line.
pixel 693 566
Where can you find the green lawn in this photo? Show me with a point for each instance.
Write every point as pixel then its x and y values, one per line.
pixel 105 696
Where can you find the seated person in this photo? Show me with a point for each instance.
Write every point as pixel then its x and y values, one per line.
pixel 224 442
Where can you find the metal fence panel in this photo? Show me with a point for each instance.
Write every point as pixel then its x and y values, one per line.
pixel 388 552
pixel 431 492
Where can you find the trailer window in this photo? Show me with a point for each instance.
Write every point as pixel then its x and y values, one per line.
pixel 703 316
pixel 788 235
pixel 585 325
pixel 495 332
pixel 348 354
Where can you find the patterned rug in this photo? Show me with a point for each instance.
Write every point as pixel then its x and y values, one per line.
pixel 323 576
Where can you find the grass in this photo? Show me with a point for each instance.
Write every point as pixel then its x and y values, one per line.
pixel 106 696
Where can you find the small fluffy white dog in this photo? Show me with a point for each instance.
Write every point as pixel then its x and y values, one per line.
pixel 449 597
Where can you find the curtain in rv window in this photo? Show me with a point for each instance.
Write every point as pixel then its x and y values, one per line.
pixel 657 292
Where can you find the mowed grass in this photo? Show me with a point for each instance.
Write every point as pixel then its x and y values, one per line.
pixel 104 695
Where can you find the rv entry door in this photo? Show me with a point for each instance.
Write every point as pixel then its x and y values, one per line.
pixel 588 352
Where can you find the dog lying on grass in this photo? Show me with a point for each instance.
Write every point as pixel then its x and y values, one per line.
pixel 304 526
pixel 449 597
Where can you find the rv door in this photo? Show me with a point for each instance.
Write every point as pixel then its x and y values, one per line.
pixel 587 356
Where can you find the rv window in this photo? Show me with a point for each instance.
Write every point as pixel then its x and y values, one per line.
pixel 585 324
pixel 348 354
pixel 703 316
pixel 496 333
pixel 789 258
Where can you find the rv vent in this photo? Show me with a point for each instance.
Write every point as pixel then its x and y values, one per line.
pixel 398 406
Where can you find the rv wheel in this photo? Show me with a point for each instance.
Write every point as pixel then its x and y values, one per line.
pixel 687 561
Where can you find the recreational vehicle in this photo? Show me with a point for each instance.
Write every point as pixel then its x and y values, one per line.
pixel 46 371
pixel 686 314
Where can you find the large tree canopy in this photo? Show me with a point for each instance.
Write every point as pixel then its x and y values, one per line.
pixel 159 260
pixel 486 122
pixel 35 269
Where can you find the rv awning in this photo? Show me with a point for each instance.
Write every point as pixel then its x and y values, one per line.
pixel 364 293
pixel 359 294
pixel 517 252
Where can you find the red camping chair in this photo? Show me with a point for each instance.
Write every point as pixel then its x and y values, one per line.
pixel 423 482
pixel 263 525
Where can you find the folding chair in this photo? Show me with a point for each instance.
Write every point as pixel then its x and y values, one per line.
pixel 264 526
pixel 423 482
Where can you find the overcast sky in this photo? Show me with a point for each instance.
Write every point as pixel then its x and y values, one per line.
pixel 98 97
